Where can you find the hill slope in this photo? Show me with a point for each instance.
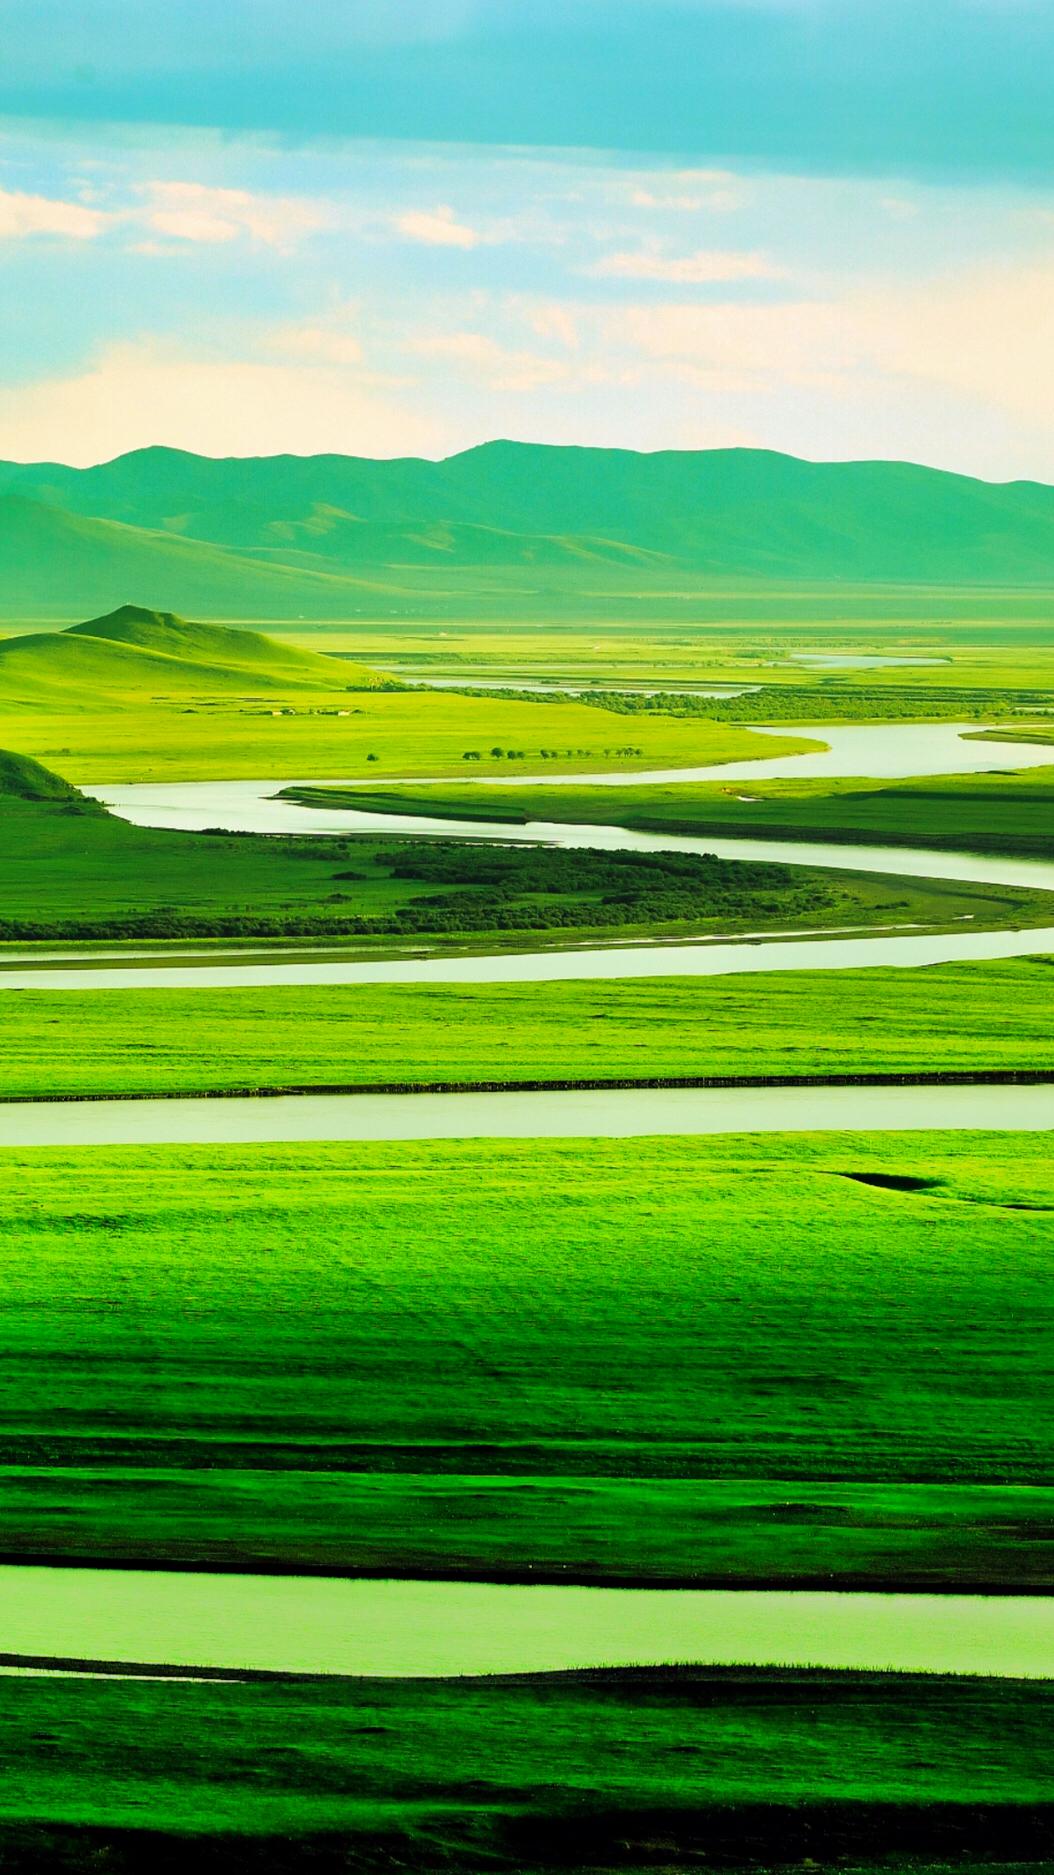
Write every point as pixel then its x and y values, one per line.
pixel 134 656
pixel 736 513
pixel 222 648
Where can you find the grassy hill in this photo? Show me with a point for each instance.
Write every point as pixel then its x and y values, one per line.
pixel 324 536
pixel 22 779
pixel 221 649
pixel 135 657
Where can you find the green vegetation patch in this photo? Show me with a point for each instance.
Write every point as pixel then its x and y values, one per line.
pixel 972 1018
pixel 600 1771
pixel 541 1315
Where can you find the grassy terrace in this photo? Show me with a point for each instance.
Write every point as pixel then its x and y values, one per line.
pixel 612 1770
pixel 998 813
pixel 960 1018
pixel 792 1360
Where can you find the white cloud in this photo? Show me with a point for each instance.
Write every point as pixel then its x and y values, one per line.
pixel 190 211
pixel 502 367
pixel 554 321
pixel 976 340
pixel 320 344
pixel 436 227
pixel 142 393
pixel 689 191
pixel 707 266
pixel 25 215
pixel 983 334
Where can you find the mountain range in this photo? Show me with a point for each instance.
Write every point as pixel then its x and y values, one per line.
pixel 333 536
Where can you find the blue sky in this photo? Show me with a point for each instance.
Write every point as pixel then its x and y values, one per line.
pixel 402 226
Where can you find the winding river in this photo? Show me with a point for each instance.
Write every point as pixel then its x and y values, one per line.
pixel 327 1625
pixel 872 750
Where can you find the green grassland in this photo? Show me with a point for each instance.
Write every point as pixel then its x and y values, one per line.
pixel 995 813
pixel 602 1771
pixel 71 871
pixel 142 695
pixel 972 1018
pixel 702 1360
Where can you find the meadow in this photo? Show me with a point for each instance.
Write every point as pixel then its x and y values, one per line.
pixel 732 1360
pixel 606 1770
pixel 141 695
pixel 972 1018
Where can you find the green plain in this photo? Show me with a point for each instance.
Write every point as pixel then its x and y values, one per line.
pixel 953 1018
pixel 231 1356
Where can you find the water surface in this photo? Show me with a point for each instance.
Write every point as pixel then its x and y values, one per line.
pixel 854 661
pixel 554 966
pixel 394 1628
pixel 590 1113
pixel 536 686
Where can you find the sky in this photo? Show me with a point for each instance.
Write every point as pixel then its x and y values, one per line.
pixel 391 227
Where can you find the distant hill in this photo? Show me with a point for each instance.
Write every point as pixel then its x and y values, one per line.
pixel 134 655
pixel 55 564
pixel 224 648
pixel 330 536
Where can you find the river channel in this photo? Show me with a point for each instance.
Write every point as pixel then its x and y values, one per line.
pixel 327 1625
pixel 587 1113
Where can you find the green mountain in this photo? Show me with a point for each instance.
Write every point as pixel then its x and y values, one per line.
pixel 134 656
pixel 54 564
pixel 332 536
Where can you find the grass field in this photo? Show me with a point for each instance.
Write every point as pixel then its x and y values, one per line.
pixel 395 1358
pixel 602 1771
pixel 140 694
pixel 961 1018
pixel 405 732
pixel 998 813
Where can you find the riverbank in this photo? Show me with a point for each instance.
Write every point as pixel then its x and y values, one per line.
pixel 517 1776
